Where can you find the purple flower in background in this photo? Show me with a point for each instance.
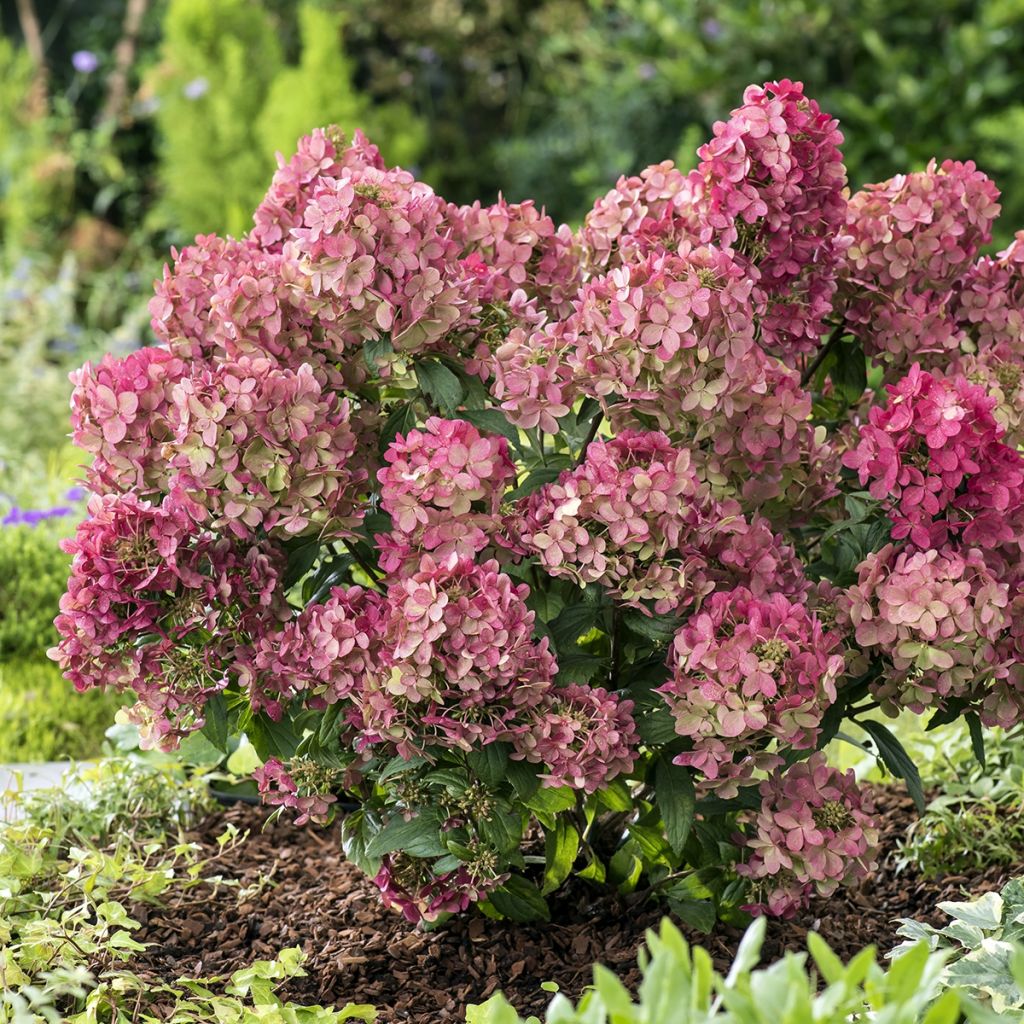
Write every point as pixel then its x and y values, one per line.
pixel 196 88
pixel 34 516
pixel 646 71
pixel 75 494
pixel 711 27
pixel 85 61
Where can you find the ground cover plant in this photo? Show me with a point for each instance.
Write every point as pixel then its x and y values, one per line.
pixel 560 552
pixel 75 866
pixel 983 943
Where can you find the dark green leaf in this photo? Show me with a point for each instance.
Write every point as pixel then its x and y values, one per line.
pixel 502 830
pixel 440 385
pixel 273 739
pixel 536 479
pixel 677 801
pixel 525 778
pixel 578 668
pixel 490 763
pixel 848 370
pixel 658 628
pixel 494 421
pixel 300 561
pixel 353 842
pixel 418 837
pixel 699 914
pixel 977 737
pixel 656 725
pixel 518 900
pixel 376 351
pixel 401 419
pixel 896 759
pixel 215 726
pixel 574 621
pixel 561 845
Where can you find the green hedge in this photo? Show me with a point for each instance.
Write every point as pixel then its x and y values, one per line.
pixel 42 718
pixel 33 575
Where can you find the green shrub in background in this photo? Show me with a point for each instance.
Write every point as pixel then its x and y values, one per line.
pixel 33 576
pixel 35 175
pixel 43 719
pixel 555 98
pixel 228 101
pixel 41 716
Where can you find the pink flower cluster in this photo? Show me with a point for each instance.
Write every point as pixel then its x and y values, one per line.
pixel 634 517
pixel 250 471
pixel 515 246
pixel 989 310
pixel 121 410
pixel 748 669
pixel 442 487
pixel 768 188
pixel 584 736
pixel 773 181
pixel 159 605
pixel 945 621
pixel 295 788
pixel 908 242
pixel 409 886
pixel 812 833
pixel 935 455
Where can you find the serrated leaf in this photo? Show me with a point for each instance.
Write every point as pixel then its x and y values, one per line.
pixel 493 421
pixel 418 837
pixel 440 385
pixel 376 351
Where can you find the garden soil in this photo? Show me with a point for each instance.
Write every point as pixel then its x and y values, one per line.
pixel 297 890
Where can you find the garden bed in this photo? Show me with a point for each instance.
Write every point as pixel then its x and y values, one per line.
pixel 297 889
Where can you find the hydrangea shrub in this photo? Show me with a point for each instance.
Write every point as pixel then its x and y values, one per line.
pixel 565 552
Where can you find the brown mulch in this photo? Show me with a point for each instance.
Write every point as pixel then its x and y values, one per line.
pixel 360 952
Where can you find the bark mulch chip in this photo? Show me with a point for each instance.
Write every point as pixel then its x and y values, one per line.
pixel 297 890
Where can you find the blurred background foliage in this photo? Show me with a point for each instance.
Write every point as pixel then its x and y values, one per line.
pixel 129 126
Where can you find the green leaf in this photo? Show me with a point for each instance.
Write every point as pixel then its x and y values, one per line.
pixel 896 759
pixel 656 725
pixel 536 479
pixel 699 914
pixel 401 419
pixel 273 739
pixel 849 369
pixel 494 421
pixel 440 385
pixel 561 846
pixel 245 760
pixel 977 737
pixel 490 763
pixel 677 801
pixel 215 725
pixel 525 779
pixel 660 629
pixel 300 560
pixel 418 837
pixel 376 351
pixel 519 900
pixel 574 621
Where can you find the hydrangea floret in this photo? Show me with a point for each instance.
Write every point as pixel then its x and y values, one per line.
pixel 496 536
